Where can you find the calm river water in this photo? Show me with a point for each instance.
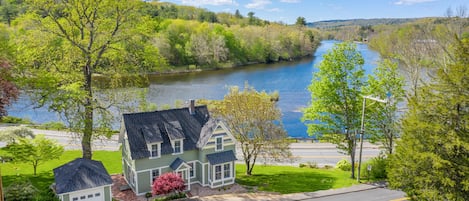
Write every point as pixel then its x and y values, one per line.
pixel 290 79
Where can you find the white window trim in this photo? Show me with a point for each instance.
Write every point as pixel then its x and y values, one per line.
pixel 192 169
pixel 158 150
pixel 173 143
pixel 216 144
pixel 151 175
pixel 222 172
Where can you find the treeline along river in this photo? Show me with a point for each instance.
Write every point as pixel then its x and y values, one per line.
pixel 290 79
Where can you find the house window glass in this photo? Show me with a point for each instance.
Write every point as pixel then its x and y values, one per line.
pixel 90 195
pixel 82 197
pixel 75 199
pixel 97 194
pixel 177 147
pixel 219 144
pixel 154 174
pixel 218 172
pixel 154 150
pixel 192 170
pixel 227 170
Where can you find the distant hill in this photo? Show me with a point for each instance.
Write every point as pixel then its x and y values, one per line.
pixel 328 24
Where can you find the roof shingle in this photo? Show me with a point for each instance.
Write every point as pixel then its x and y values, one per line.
pixel 163 126
pixel 221 157
pixel 80 174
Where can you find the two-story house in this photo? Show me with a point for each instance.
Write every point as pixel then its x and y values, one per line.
pixel 186 141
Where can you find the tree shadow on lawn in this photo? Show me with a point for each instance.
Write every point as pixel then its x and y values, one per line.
pixel 41 181
pixel 289 182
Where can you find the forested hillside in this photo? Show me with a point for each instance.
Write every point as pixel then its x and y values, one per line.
pixel 166 36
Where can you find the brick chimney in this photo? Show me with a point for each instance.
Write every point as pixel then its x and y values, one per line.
pixel 192 106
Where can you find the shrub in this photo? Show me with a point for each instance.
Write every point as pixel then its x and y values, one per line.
pixel 378 168
pixel 313 165
pixel 20 191
pixel 328 167
pixel 15 120
pixel 168 183
pixel 344 165
pixel 53 125
pixel 46 194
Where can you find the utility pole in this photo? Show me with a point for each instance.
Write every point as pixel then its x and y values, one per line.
pixel 1 186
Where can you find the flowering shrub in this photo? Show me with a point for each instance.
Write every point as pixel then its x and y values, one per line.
pixel 168 183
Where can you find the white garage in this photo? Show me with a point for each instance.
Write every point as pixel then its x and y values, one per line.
pixel 96 194
pixel 82 180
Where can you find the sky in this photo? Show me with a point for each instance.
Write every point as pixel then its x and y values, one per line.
pixel 287 11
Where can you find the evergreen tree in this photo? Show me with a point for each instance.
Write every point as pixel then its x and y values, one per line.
pixel 432 158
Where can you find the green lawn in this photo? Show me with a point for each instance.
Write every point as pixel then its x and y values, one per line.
pixel 282 179
pixel 45 176
pixel 287 179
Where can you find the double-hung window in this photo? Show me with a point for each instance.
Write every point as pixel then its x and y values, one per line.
pixel 192 170
pixel 217 172
pixel 227 170
pixel 155 151
pixel 219 143
pixel 154 174
pixel 178 147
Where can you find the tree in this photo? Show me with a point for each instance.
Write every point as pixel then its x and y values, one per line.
pixel 300 21
pixel 335 110
pixel 66 44
pixel 11 135
pixel 35 151
pixel 431 161
pixel 238 14
pixel 8 90
pixel 254 120
pixel 382 119
pixel 168 183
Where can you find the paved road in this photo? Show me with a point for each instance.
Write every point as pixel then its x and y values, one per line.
pixel 320 153
pixel 377 194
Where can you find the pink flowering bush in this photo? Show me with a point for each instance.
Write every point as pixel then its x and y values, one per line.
pixel 168 183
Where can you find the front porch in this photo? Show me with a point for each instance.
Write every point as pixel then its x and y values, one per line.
pixel 196 190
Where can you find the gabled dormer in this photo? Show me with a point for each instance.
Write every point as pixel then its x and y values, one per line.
pixel 215 135
pixel 176 136
pixel 153 139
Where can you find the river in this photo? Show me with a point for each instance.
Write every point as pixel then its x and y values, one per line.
pixel 290 79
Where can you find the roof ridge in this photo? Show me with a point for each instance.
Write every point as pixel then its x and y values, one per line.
pixel 155 111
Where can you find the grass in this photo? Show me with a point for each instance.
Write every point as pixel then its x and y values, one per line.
pixel 281 179
pixel 45 176
pixel 287 179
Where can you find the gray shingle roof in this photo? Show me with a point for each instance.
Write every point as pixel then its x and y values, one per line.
pixel 176 163
pixel 221 157
pixel 147 127
pixel 80 174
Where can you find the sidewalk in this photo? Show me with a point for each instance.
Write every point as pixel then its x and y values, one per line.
pixel 288 197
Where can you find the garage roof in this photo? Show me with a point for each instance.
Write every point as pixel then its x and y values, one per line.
pixel 80 174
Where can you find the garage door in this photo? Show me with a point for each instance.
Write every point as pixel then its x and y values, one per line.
pixel 90 195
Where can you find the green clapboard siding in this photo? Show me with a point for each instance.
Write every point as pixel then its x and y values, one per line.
pixel 164 160
pixel 144 182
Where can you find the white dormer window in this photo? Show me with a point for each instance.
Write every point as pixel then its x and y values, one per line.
pixel 219 143
pixel 155 150
pixel 177 146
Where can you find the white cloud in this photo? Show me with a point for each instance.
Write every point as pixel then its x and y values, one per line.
pixel 209 2
pixel 258 4
pixel 411 2
pixel 290 1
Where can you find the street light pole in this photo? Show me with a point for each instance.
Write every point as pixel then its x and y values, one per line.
pixel 362 131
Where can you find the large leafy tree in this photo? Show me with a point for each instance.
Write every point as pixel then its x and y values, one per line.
pixel 35 151
pixel 431 161
pixel 63 45
pixel 382 119
pixel 8 90
pixel 254 119
pixel 334 113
